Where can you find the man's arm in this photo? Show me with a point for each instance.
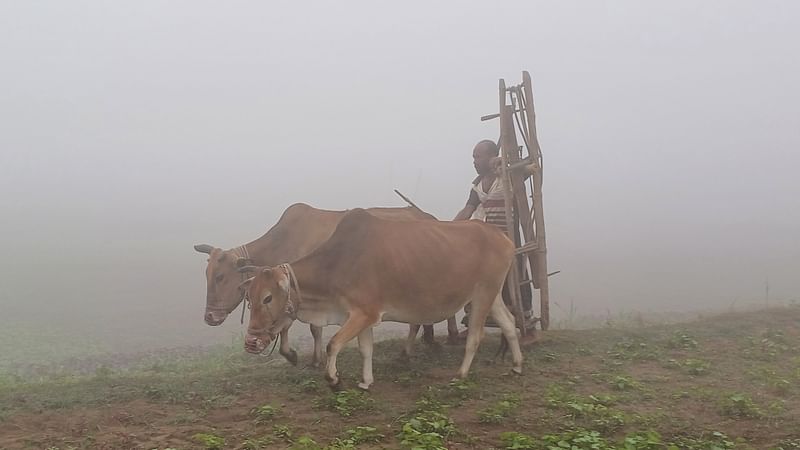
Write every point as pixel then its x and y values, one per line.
pixel 465 213
pixel 469 209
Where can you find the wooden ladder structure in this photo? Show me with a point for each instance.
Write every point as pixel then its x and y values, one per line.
pixel 521 171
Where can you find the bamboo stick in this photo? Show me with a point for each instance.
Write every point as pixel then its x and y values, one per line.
pixel 538 208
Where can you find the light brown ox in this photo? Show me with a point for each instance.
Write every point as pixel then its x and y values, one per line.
pixel 374 270
pixel 300 230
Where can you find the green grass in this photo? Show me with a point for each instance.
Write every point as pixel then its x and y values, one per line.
pixel 726 382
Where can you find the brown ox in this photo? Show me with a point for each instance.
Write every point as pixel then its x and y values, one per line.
pixel 374 270
pixel 300 230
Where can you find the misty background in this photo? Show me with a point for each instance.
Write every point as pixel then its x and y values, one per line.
pixel 131 131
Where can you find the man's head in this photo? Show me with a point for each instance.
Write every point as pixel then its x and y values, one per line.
pixel 482 156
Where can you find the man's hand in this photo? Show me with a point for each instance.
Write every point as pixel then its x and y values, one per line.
pixel 465 213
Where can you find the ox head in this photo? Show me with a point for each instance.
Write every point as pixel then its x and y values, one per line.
pixel 272 310
pixel 224 290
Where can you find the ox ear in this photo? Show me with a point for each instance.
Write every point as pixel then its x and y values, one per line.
pixel 246 269
pixel 204 248
pixel 243 262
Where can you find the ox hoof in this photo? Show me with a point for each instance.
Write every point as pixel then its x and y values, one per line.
pixel 315 364
pixel 292 357
pixel 516 370
pixel 335 383
pixel 364 386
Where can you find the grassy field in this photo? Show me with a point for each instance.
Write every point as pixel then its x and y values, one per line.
pixel 725 382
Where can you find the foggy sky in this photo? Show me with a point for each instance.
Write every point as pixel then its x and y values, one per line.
pixel 131 131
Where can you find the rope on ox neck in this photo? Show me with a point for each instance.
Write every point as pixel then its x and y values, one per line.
pixel 291 308
pixel 241 251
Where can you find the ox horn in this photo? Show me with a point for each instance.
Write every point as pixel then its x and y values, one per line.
pixel 243 262
pixel 245 269
pixel 204 248
pixel 246 282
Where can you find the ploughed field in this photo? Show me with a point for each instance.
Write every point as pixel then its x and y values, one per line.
pixel 723 382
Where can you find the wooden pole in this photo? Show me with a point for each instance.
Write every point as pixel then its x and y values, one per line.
pixel 538 208
pixel 512 280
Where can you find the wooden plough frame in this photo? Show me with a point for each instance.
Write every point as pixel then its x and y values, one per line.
pixel 521 171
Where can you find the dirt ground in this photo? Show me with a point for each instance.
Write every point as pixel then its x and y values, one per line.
pixel 737 375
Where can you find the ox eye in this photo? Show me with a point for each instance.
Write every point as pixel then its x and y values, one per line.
pixel 219 277
pixel 267 299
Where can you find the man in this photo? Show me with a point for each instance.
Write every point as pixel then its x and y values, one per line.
pixel 487 202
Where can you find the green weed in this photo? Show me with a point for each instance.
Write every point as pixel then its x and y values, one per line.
pixel 356 436
pixel 210 441
pixel 740 405
pixel 347 402
pixel 517 441
pixel 282 431
pixel 428 430
pixel 681 340
pixel 261 443
pixel 500 410
pixel 264 414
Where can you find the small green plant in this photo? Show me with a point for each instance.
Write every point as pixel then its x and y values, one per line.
pixel 681 340
pixel 740 405
pixel 309 385
pixel 517 441
pixel 427 430
pixel 356 436
pixel 305 443
pixel 769 346
pixel 772 380
pixel 695 367
pixel 623 383
pixel 258 443
pixel 210 441
pixel 282 431
pixel 629 350
pixel 644 440
pixel 787 444
pixel 593 409
pixel 576 439
pixel 459 389
pixel 716 441
pixel 347 402
pixel 264 414
pixel 500 410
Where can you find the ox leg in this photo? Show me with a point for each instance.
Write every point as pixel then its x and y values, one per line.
pixel 502 316
pixel 284 349
pixel 354 325
pixel 452 331
pixel 316 360
pixel 365 347
pixel 427 335
pixel 412 335
pixel 475 331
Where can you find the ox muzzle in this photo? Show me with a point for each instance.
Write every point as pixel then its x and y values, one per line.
pixel 215 317
pixel 256 343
